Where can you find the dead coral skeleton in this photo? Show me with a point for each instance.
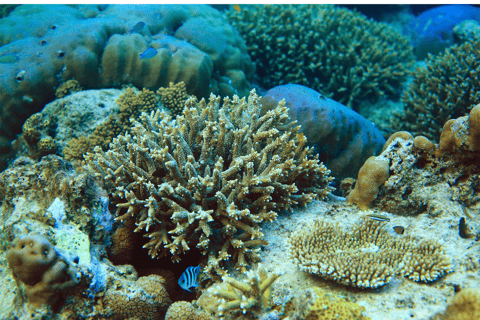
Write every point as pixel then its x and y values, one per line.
pixel 209 177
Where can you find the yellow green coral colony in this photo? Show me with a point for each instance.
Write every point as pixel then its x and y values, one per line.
pixel 209 177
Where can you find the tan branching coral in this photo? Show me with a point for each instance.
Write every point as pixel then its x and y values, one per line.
pixel 368 256
pixel 207 179
pixel 233 297
pixel 174 97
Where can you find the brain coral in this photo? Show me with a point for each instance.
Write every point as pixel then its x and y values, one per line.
pixel 343 138
pixel 336 51
pixel 208 179
pixel 146 298
pixel 368 256
pixel 43 46
pixel 447 88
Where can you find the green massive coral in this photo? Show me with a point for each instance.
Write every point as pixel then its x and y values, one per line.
pixel 333 50
pixel 447 88
pixel 208 178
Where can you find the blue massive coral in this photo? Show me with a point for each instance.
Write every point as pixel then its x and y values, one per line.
pixel 343 138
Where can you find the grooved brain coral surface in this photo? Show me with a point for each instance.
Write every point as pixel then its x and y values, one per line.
pixel 433 29
pixel 343 138
pixel 42 46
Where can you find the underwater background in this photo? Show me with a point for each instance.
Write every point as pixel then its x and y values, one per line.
pixel 239 161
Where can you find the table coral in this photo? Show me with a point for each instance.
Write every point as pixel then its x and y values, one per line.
pixel 446 88
pixel 210 177
pixel 368 256
pixel 336 51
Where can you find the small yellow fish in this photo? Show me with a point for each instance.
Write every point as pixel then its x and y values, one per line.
pixel 236 7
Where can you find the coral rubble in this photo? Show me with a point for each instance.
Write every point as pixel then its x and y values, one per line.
pixel 366 257
pixel 207 179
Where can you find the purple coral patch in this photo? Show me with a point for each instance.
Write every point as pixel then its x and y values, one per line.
pixel 343 138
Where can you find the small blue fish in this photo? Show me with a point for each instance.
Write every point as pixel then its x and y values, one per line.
pixel 188 279
pixel 148 54
pixel 139 26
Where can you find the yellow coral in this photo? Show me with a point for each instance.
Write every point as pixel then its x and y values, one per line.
pixel 67 88
pixel 174 97
pixel 465 305
pixel 214 174
pixel 145 298
pixel 182 310
pixel 330 307
pixel 371 176
pixel 366 257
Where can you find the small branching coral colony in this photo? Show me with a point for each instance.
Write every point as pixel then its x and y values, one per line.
pixel 209 177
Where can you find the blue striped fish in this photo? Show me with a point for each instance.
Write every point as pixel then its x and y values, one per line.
pixel 188 279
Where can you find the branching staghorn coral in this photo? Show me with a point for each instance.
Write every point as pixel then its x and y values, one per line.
pixel 232 296
pixel 207 179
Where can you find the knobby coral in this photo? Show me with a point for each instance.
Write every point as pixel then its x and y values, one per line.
pixel 366 257
pixel 336 51
pixel 208 178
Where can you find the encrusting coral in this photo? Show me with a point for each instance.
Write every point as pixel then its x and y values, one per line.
pixel 35 132
pixel 366 257
pixel 35 262
pixel 465 305
pixel 326 306
pixel 333 50
pixel 207 179
pixel 181 310
pixel 144 298
pixel 233 297
pixel 371 176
